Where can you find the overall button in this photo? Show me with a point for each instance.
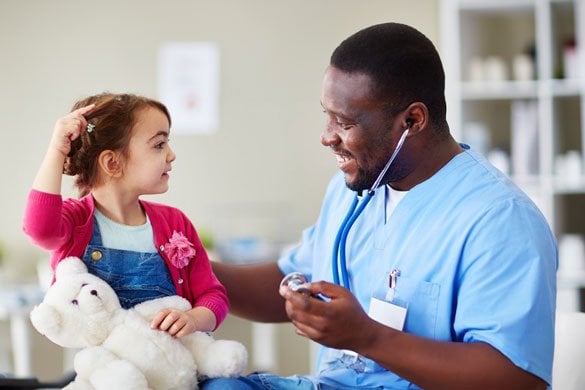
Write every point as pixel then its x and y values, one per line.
pixel 180 281
pixel 162 248
pixel 96 255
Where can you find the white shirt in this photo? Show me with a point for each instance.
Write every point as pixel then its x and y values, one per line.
pixel 132 238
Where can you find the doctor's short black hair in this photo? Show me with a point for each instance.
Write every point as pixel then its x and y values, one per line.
pixel 403 64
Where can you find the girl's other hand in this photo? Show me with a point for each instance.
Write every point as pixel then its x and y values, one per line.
pixel 174 322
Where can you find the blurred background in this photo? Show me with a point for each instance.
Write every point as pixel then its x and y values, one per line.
pixel 250 187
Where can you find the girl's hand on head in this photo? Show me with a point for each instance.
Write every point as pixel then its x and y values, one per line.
pixel 175 322
pixel 68 128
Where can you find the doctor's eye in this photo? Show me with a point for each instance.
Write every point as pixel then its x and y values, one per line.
pixel 74 302
pixel 344 125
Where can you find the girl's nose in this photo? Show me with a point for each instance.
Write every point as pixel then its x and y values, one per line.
pixel 171 156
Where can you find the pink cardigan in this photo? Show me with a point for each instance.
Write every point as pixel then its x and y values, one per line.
pixel 66 227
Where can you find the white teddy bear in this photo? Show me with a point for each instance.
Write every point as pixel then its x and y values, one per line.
pixel 120 349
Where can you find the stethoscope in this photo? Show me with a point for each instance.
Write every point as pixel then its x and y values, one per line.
pixel 338 262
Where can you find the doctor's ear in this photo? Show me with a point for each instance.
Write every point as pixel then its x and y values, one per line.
pixel 416 117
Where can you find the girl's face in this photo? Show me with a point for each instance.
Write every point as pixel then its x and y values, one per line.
pixel 149 156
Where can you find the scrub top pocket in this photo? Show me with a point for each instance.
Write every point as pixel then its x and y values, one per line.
pixel 421 299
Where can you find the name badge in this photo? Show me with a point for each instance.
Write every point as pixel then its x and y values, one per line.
pixel 387 313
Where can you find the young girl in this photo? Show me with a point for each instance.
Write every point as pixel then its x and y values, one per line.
pixel 117 147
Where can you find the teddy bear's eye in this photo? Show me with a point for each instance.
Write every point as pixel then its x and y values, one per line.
pixel 74 302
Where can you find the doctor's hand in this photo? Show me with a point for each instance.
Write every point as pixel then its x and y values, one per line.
pixel 339 323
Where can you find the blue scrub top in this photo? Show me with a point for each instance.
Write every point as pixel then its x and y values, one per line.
pixel 477 263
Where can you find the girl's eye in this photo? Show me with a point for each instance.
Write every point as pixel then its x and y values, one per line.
pixel 161 144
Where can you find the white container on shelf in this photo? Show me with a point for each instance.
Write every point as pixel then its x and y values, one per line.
pixel 524 138
pixel 572 254
pixel 568 167
pixel 573 163
pixel 523 67
pixel 476 69
pixel 494 69
pixel 571 60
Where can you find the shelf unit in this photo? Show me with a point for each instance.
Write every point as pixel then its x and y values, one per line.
pixel 535 116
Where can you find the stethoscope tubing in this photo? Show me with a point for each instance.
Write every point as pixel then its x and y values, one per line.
pixel 335 264
pixel 345 232
pixel 338 261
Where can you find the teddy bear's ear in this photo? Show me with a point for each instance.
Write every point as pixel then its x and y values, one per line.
pixel 46 320
pixel 70 266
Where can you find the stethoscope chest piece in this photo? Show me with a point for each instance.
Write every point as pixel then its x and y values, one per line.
pixel 296 281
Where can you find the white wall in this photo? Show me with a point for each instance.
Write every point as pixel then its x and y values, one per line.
pixel 265 168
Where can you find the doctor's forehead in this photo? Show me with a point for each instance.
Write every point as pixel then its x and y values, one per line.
pixel 345 93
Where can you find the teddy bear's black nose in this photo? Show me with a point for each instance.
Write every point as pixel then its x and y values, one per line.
pixel 93 292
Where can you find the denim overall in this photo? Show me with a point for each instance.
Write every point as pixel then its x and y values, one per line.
pixel 135 276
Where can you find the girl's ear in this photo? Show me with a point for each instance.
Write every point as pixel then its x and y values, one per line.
pixel 110 163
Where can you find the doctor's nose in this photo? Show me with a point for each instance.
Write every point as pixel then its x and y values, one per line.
pixel 329 136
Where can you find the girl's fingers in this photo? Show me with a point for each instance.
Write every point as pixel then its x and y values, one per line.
pixel 159 317
pixel 79 114
pixel 84 110
pixel 169 321
pixel 173 322
pixel 75 127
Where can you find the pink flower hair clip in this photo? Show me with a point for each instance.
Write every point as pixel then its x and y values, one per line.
pixel 179 250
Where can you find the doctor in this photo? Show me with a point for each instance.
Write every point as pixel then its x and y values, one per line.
pixel 445 278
